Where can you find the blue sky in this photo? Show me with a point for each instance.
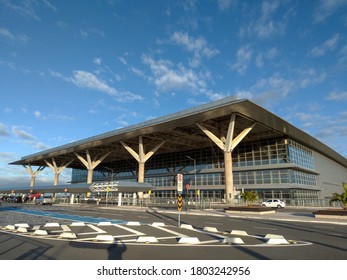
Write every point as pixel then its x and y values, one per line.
pixel 74 69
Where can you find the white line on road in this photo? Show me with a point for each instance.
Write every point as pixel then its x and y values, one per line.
pixel 210 223
pixel 266 228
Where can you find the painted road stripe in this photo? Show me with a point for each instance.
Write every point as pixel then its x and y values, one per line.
pixel 130 229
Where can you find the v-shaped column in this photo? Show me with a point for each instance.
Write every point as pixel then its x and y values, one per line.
pixel 91 164
pixel 227 145
pixel 141 157
pixel 33 173
pixel 57 170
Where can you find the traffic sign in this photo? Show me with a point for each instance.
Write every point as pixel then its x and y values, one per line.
pixel 179 202
pixel 179 183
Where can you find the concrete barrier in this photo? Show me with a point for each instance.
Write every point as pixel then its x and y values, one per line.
pixel 68 235
pixel 189 240
pixel 133 223
pixel 233 240
pixel 239 232
pixel 277 241
pixel 52 225
pixel 147 239
pixel 186 226
pixel 22 225
pixel 157 224
pixel 10 227
pixel 104 238
pixel 210 229
pixel 104 224
pixel 22 230
pixel 77 224
pixel 40 232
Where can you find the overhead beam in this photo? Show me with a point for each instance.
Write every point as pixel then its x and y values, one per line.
pixel 227 145
pixel 90 164
pixel 33 173
pixel 141 157
pixel 57 169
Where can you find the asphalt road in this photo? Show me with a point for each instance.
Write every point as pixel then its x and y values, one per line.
pixel 207 237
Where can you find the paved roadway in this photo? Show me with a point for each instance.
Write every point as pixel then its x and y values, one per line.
pixel 64 232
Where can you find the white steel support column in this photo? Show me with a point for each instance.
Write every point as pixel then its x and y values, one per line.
pixel 72 198
pixel 141 157
pixel 57 170
pixel 90 164
pixel 32 173
pixel 119 199
pixel 227 145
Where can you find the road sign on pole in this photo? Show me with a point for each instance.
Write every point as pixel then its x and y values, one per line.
pixel 180 183
pixel 179 208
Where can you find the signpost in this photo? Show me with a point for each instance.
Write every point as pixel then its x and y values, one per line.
pixel 107 190
pixel 179 198
pixel 179 208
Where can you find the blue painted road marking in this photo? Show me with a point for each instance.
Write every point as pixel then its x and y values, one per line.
pixel 86 219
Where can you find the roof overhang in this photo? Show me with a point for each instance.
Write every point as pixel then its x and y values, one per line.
pixel 181 133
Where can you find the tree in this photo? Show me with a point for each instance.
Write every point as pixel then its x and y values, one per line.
pixel 249 197
pixel 342 197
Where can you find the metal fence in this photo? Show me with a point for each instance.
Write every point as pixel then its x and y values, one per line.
pixel 202 204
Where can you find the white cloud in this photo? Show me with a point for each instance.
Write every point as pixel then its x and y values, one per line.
pixel 37 114
pixel 8 110
pixel 265 26
pixel 7 34
pixel 22 134
pixel 337 96
pixel 51 116
pixel 243 59
pixel 97 61
pixel 195 45
pixel 327 8
pixel 84 79
pixel 224 5
pixel 328 45
pixel 274 88
pixel 4 130
pixel 167 77
pixel 28 9
pixel 85 33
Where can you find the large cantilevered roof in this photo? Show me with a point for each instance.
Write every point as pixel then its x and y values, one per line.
pixel 181 133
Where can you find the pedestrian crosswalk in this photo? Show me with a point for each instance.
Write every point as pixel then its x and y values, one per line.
pixel 155 234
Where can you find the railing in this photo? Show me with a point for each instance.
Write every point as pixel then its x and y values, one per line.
pixel 189 203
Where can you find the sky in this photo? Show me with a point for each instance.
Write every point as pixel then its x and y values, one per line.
pixel 74 69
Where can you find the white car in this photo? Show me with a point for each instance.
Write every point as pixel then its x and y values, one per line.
pixel 275 203
pixel 44 200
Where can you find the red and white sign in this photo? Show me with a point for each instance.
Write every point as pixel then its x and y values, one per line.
pixel 179 183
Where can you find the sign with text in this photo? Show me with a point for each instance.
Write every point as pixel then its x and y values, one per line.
pixel 179 183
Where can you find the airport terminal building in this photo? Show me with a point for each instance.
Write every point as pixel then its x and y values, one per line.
pixel 220 148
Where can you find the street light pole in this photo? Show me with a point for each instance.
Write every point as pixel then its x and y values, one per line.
pixel 194 177
pixel 110 181
pixel 111 172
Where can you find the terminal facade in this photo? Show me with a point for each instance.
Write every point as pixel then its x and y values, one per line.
pixel 221 148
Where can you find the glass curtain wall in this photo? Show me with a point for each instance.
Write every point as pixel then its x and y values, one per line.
pixel 268 158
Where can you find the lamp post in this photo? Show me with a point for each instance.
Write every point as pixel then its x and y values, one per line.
pixel 111 172
pixel 107 189
pixel 194 177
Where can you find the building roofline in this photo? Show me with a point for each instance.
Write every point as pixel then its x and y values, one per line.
pixel 218 108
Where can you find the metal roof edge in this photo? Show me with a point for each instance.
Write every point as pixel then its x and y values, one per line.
pixel 155 121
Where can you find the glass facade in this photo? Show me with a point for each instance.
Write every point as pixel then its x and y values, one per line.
pixel 269 164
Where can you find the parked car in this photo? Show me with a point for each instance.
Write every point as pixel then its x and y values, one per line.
pixel 44 200
pixel 275 203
